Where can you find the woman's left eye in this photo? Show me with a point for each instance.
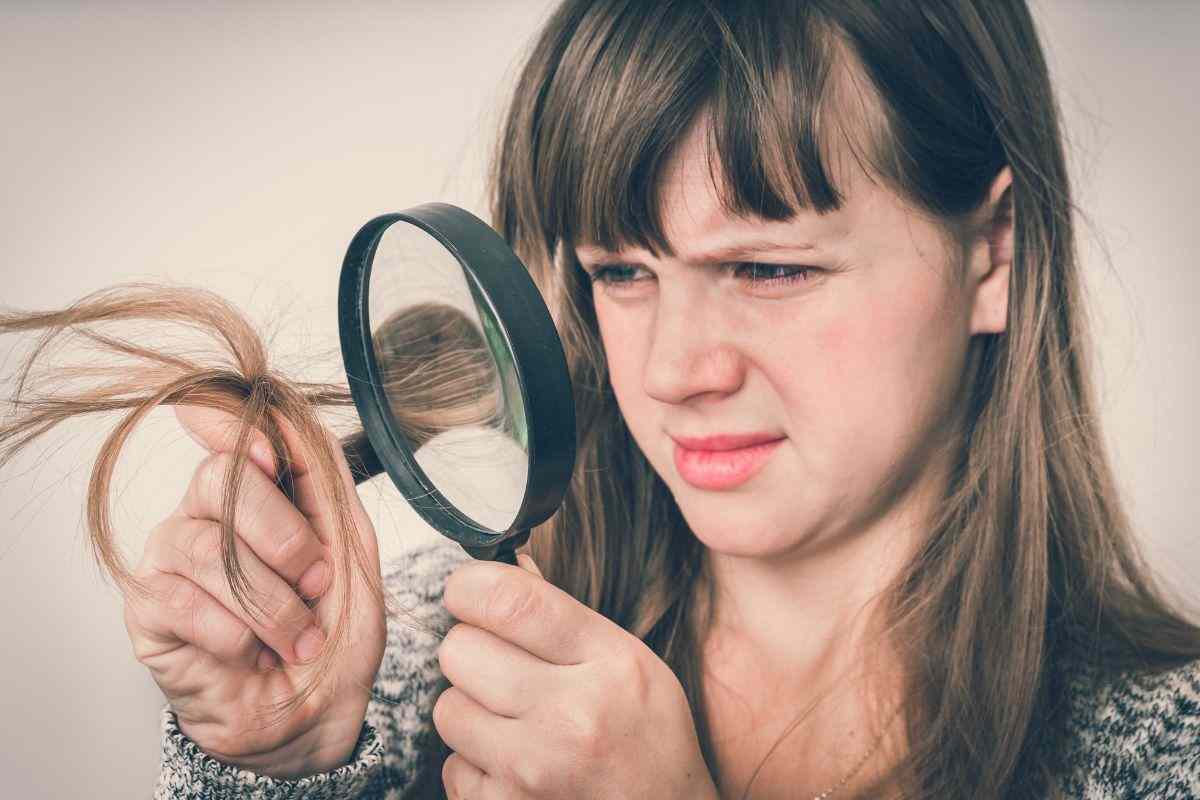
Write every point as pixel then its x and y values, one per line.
pixel 771 274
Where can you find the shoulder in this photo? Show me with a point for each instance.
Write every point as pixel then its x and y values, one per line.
pixel 1134 733
pixel 409 678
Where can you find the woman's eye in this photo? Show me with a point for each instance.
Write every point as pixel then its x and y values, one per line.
pixel 620 278
pixel 771 274
pixel 617 276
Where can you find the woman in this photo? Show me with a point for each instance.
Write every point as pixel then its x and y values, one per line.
pixel 842 522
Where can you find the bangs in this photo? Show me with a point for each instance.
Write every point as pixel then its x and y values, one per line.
pixel 777 90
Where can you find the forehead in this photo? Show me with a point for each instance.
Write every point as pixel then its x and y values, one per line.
pixel 701 229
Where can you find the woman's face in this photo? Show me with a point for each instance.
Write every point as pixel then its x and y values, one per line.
pixel 847 373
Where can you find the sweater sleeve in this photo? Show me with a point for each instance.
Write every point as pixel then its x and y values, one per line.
pixel 188 772
pixel 389 754
pixel 1137 735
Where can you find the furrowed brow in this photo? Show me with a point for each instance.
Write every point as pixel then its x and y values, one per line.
pixel 722 254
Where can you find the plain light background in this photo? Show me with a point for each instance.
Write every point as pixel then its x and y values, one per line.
pixel 238 147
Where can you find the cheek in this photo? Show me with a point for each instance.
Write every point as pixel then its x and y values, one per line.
pixel 624 344
pixel 859 354
pixel 883 376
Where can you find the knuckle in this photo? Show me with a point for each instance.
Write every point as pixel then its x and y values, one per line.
pixel 633 673
pixel 446 645
pixel 271 611
pixel 448 767
pixel 179 595
pixel 591 723
pixel 211 472
pixel 509 602
pixel 155 549
pixel 201 545
pixel 290 543
pixel 438 715
pixel 142 653
pixel 274 607
pixel 287 613
pixel 136 630
pixel 531 774
pixel 243 643
pixel 585 732
pixel 452 777
pixel 152 588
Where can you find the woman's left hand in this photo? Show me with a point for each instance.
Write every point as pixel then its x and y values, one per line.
pixel 552 700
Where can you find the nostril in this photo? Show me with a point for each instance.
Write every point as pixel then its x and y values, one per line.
pixel 693 369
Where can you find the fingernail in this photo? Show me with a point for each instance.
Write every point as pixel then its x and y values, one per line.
pixel 260 454
pixel 267 659
pixel 309 644
pixel 312 583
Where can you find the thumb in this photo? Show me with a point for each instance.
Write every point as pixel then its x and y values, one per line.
pixel 217 431
pixel 525 561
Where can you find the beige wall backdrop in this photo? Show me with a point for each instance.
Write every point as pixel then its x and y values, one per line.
pixel 238 147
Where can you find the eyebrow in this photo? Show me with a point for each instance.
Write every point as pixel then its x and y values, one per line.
pixel 716 255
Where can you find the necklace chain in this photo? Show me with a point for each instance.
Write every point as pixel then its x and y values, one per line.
pixel 854 771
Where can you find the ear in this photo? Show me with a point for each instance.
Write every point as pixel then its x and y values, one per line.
pixel 991 258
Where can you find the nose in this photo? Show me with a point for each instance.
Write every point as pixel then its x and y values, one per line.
pixel 691 352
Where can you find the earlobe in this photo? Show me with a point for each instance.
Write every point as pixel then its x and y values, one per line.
pixel 991 302
pixel 990 311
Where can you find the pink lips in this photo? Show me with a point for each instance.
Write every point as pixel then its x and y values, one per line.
pixel 723 462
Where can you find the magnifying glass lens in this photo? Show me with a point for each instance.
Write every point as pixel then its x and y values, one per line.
pixel 449 377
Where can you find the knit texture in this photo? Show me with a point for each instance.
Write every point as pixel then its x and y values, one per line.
pixel 1131 736
pixel 399 714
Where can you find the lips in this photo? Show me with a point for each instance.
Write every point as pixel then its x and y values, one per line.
pixel 725 441
pixel 725 461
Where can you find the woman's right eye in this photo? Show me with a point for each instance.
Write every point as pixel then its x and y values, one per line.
pixel 618 276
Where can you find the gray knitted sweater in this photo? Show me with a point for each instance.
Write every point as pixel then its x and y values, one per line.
pixel 1137 737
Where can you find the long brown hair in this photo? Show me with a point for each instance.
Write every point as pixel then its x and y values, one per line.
pixel 431 355
pixel 933 99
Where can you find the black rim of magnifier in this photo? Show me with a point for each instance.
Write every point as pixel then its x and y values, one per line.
pixel 498 278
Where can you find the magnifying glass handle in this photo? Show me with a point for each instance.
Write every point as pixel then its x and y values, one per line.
pixel 364 464
pixel 505 551
pixel 360 457
pixel 497 552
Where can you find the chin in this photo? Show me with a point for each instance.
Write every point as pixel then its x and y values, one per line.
pixel 735 524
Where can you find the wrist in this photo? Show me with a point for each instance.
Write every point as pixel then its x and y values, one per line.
pixel 306 757
pixel 330 744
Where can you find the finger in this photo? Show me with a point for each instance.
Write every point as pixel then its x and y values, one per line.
pixel 265 520
pixel 191 548
pixel 526 562
pixel 217 431
pixel 502 677
pixel 462 779
pixel 465 781
pixel 530 612
pixel 483 738
pixel 178 612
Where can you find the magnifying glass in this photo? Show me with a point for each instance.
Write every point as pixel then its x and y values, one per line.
pixel 458 375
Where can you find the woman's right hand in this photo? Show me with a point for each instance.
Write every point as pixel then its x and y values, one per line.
pixel 219 665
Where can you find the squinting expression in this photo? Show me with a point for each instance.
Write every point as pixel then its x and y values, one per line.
pixel 789 381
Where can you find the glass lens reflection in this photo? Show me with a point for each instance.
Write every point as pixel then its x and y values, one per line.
pixel 449 376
